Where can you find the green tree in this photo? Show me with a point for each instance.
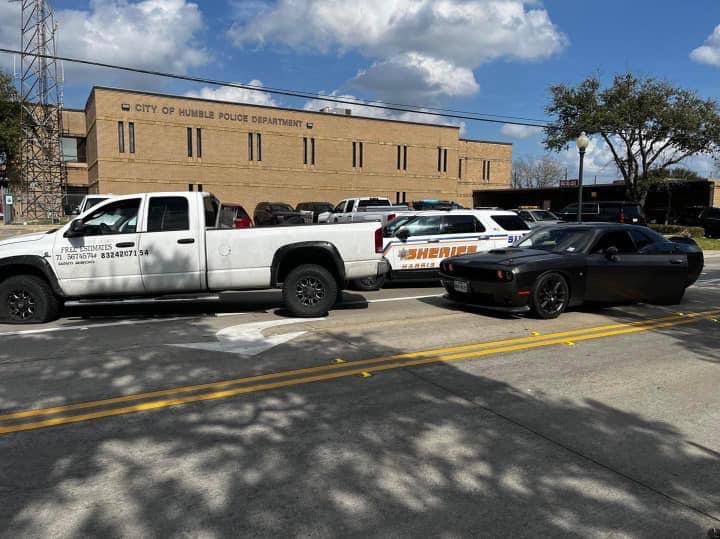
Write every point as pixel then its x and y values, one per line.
pixel 9 126
pixel 647 124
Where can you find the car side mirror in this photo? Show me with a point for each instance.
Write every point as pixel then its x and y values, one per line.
pixel 402 234
pixel 77 228
pixel 611 253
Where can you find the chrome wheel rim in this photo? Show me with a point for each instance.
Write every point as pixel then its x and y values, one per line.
pixel 310 291
pixel 21 304
pixel 552 295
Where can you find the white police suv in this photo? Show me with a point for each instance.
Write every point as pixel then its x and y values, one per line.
pixel 416 243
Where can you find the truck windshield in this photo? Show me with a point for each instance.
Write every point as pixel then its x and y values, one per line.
pixel 544 215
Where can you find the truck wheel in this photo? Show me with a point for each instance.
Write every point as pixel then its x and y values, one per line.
pixel 309 290
pixel 369 283
pixel 26 299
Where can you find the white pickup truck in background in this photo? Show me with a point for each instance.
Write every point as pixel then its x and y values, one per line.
pixel 159 244
pixel 363 209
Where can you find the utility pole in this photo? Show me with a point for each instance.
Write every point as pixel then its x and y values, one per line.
pixel 39 192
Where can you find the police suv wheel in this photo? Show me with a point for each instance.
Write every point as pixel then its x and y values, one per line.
pixel 26 299
pixel 369 283
pixel 309 290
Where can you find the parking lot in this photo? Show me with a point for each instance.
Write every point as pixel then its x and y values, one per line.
pixel 399 414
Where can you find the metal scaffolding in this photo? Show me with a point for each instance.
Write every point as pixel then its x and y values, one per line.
pixel 42 180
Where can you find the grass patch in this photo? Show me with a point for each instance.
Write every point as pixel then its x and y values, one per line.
pixel 708 244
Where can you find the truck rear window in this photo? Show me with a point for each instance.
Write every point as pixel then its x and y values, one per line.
pixel 510 222
pixel 373 203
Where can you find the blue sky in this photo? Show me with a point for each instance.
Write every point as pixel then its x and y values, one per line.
pixel 488 56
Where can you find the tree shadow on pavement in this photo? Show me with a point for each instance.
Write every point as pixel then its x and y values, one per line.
pixel 405 453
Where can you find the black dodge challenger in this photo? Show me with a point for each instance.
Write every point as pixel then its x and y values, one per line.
pixel 562 266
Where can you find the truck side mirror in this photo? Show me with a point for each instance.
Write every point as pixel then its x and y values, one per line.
pixel 77 228
pixel 402 234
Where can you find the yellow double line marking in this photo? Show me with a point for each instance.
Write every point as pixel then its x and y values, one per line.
pixel 12 422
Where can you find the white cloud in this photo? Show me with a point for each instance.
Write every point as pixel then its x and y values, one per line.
pixel 238 95
pixel 520 131
pixel 709 53
pixel 149 34
pixel 417 78
pixel 423 48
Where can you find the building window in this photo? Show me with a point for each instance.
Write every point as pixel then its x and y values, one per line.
pixel 259 146
pixel 131 137
pixel 445 160
pixel 305 150
pixel 73 149
pixel 405 157
pixel 199 142
pixel 357 154
pixel 312 151
pixel 121 137
pixel 442 159
pixel 250 146
pixel 439 159
pixel 191 187
pixel 189 142
pixel 398 157
pixel 309 144
pixel 460 168
pixel 200 188
pixel 486 170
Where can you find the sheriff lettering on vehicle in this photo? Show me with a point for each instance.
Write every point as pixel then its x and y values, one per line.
pixel 414 245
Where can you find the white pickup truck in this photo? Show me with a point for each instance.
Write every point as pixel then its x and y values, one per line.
pixel 363 209
pixel 160 244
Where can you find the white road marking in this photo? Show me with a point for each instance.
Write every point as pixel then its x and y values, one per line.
pixel 362 302
pixel 93 326
pixel 247 339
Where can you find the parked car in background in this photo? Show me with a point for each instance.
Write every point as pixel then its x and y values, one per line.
pixel 535 217
pixel 278 213
pixel 433 204
pixel 317 209
pixel 233 216
pixel 354 210
pixel 605 212
pixel 561 266
pixel 690 215
pixel 710 221
pixel 89 201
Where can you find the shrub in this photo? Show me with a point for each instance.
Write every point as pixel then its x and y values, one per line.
pixel 679 230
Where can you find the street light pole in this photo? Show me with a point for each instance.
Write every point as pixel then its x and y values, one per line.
pixel 582 143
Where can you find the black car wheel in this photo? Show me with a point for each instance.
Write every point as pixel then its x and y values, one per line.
pixel 26 299
pixel 309 290
pixel 369 283
pixel 550 296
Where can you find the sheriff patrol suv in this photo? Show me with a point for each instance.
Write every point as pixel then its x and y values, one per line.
pixel 415 244
pixel 159 244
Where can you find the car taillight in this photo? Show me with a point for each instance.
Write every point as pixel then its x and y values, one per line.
pixel 378 240
pixel 390 217
pixel 243 222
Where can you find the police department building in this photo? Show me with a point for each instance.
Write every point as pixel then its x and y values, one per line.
pixel 125 142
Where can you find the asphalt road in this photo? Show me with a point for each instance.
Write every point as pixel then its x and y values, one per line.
pixel 398 415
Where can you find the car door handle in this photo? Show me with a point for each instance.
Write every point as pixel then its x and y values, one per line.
pixel 184 241
pixel 433 241
pixel 124 244
pixel 676 261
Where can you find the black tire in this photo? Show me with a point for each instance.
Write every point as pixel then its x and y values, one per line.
pixel 309 290
pixel 369 283
pixel 26 299
pixel 550 297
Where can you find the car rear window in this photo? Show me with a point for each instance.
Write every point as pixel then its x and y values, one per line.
pixel 373 203
pixel 510 222
pixel 281 207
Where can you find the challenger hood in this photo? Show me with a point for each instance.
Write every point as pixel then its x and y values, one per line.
pixel 504 257
pixel 24 238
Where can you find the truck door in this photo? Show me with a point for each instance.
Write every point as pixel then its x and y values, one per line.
pixel 170 245
pixel 105 258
